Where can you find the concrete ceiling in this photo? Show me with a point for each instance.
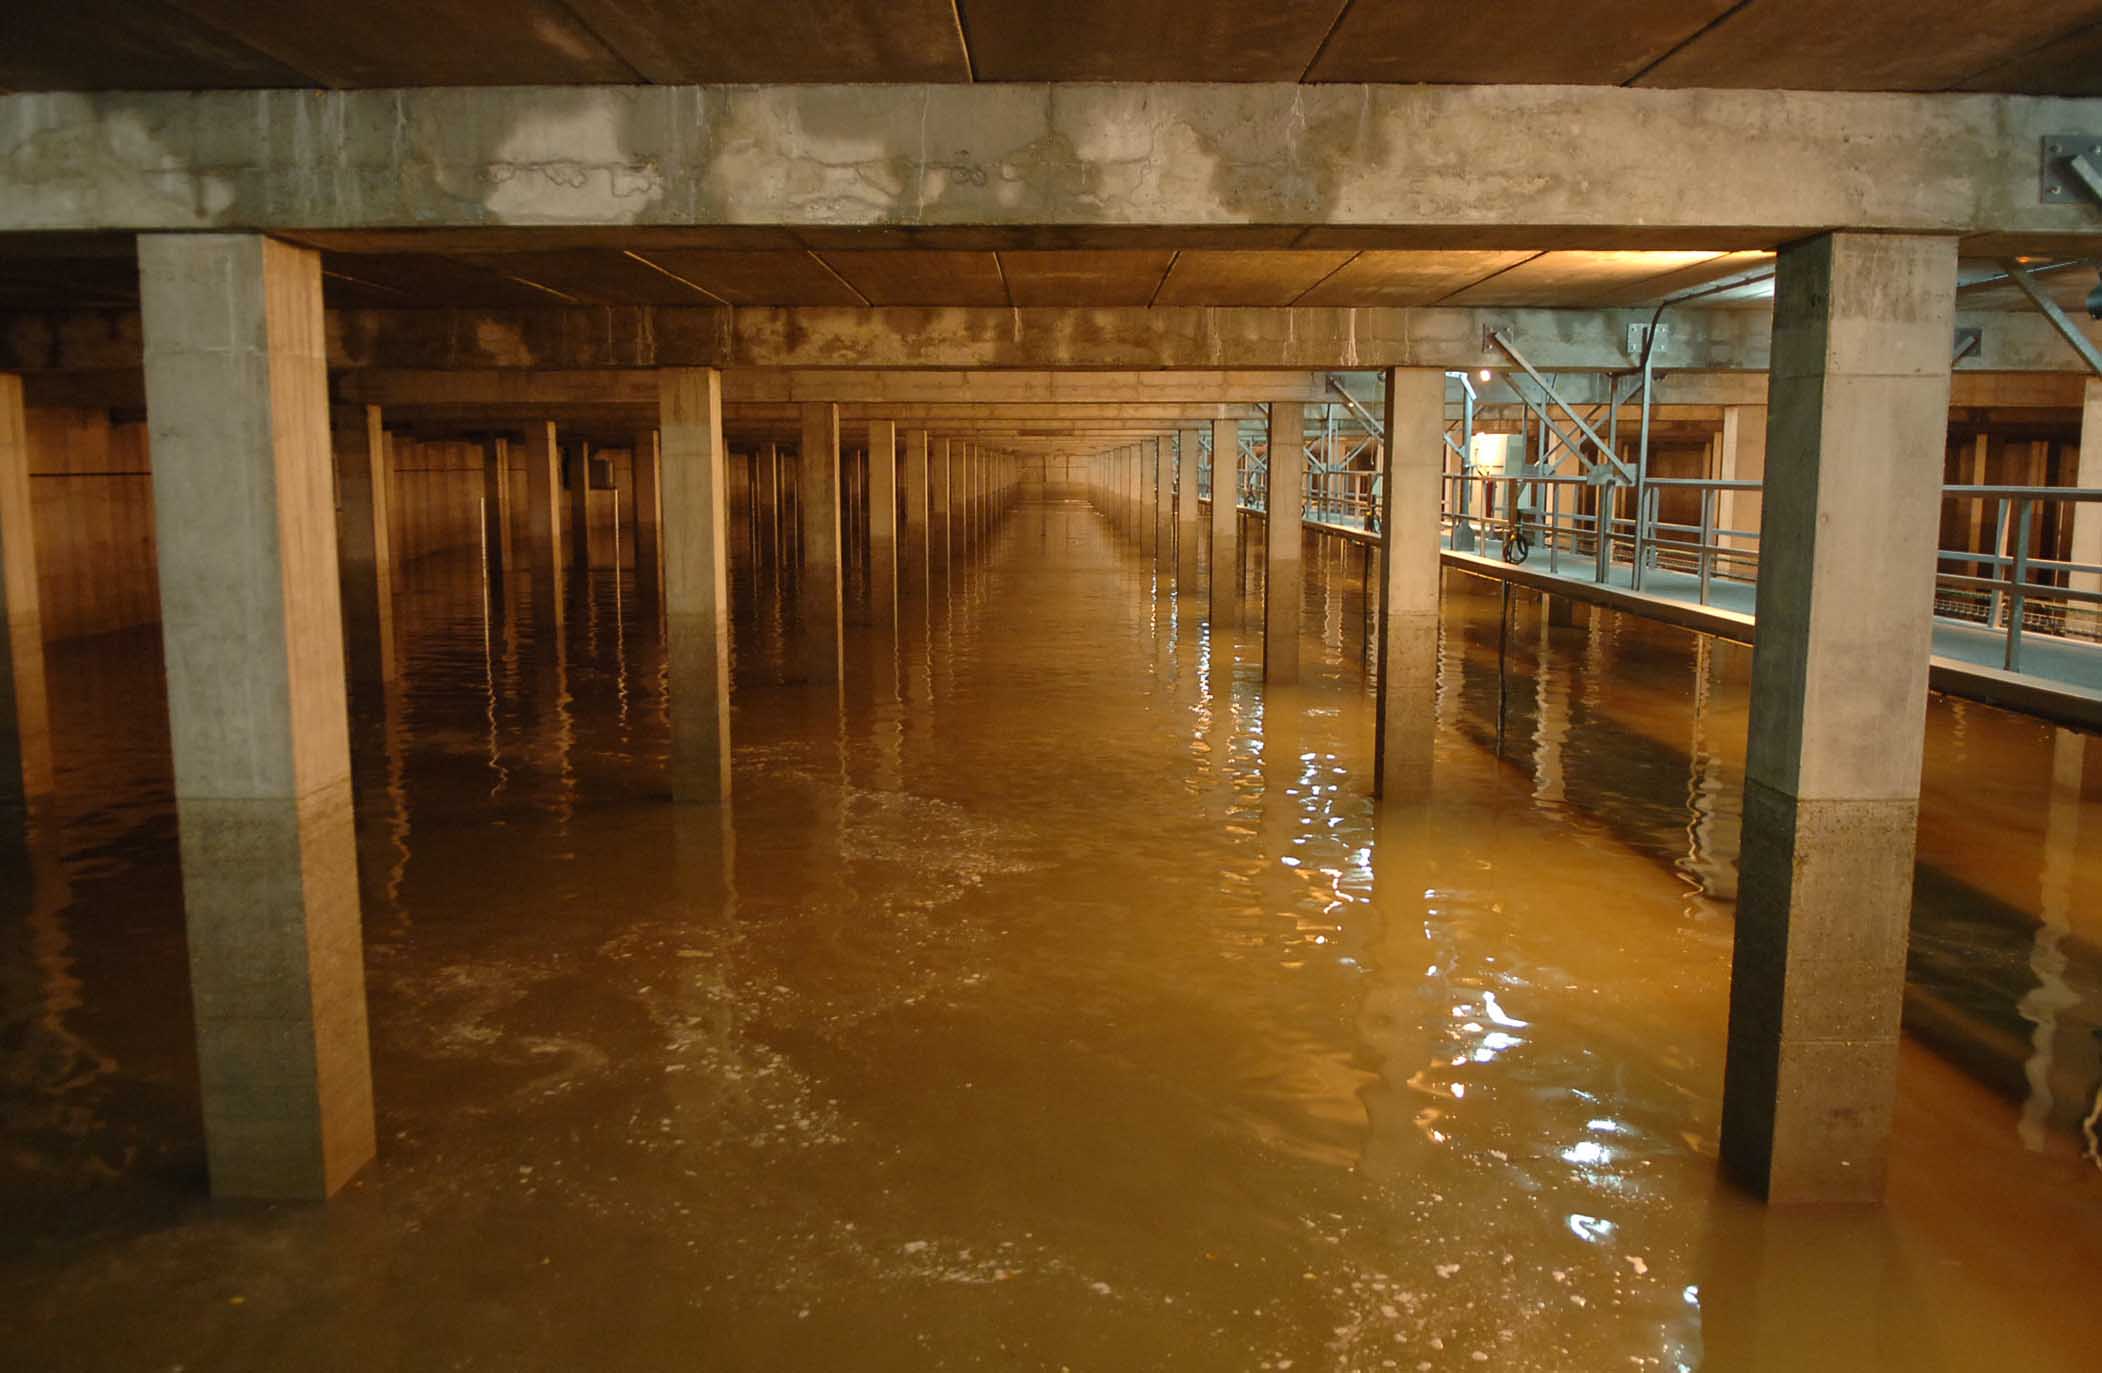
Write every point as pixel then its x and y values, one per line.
pixel 84 274
pixel 2033 46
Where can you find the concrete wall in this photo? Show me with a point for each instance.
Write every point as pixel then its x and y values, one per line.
pixel 92 497
pixel 437 495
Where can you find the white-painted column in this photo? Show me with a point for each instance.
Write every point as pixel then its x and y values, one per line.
pixel 237 408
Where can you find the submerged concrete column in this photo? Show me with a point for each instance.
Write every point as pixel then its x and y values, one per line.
pixel 366 481
pixel 1163 484
pixel 1859 403
pixel 25 708
pixel 544 520
pixel 496 507
pixel 1187 516
pixel 938 534
pixel 770 493
pixel 883 522
pixel 237 410
pixel 543 496
pixel 648 506
pixel 914 477
pixel 816 656
pixel 1405 725
pixel 580 510
pixel 696 529
pixel 1226 524
pixel 2087 515
pixel 1284 501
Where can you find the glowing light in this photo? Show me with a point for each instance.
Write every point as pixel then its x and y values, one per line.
pixel 1587 1153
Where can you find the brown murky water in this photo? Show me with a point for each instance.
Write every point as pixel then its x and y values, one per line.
pixel 1052 997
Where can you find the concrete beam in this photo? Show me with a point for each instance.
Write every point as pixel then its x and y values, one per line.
pixel 1414 163
pixel 590 338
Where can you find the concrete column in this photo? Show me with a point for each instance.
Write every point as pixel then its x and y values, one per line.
pixel 25 710
pixel 543 496
pixel 1858 403
pixel 365 480
pixel 544 520
pixel 1226 524
pixel 646 509
pixel 816 656
pixel 696 528
pixel 964 457
pixel 1285 500
pixel 1187 515
pixel 2087 515
pixel 237 409
pixel 770 494
pixel 1405 727
pixel 1160 478
pixel 496 507
pixel 939 534
pixel 580 510
pixel 1743 458
pixel 914 477
pixel 883 522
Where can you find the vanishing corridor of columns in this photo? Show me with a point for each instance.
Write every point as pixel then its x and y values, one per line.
pixel 959 701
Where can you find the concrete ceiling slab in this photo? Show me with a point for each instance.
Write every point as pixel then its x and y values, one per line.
pixel 62 283
pixel 415 280
pixel 597 276
pixel 1084 278
pixel 2068 65
pixel 923 278
pixel 418 43
pixel 1867 45
pixel 773 278
pixel 1204 277
pixel 1985 286
pixel 708 41
pixel 1756 267
pixel 1572 278
pixel 1564 42
pixel 1160 40
pixel 92 45
pixel 1408 278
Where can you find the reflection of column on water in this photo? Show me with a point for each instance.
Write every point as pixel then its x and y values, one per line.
pixel 1712 786
pixel 2064 1067
pixel 1550 718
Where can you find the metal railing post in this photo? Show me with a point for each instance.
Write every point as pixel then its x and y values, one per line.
pixel 2019 574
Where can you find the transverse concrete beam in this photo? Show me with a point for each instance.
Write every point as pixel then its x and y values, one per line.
pixel 1404 165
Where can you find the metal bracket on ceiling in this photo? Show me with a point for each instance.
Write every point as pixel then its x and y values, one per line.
pixel 1968 342
pixel 2072 170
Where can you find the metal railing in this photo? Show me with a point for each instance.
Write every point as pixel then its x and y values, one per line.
pixel 2011 588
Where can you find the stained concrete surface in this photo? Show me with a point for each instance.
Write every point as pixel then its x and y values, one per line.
pixel 1052 998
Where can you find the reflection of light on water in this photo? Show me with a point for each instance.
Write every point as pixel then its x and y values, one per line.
pixel 1496 1013
pixel 1590 1229
pixel 1587 1153
pixel 1606 1127
pixel 1494 1043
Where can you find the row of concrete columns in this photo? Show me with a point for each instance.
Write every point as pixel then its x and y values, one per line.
pixel 1855 422
pixel 252 620
pixel 249 465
